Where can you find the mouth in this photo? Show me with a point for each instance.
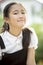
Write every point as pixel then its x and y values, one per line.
pixel 20 20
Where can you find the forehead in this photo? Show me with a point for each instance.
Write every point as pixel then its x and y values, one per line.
pixel 17 7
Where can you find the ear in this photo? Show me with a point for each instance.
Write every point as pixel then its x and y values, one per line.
pixel 6 19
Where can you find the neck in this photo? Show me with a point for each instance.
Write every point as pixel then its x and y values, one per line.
pixel 15 31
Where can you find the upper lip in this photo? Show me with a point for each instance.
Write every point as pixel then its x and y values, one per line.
pixel 21 20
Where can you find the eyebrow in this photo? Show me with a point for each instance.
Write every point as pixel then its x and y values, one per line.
pixel 17 10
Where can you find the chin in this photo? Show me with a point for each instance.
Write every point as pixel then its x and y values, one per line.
pixel 20 26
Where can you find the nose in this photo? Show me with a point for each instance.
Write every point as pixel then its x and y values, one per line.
pixel 21 15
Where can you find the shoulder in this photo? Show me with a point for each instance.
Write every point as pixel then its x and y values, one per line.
pixel 34 38
pixel 33 35
pixel 1 34
pixel 31 29
pixel 1 41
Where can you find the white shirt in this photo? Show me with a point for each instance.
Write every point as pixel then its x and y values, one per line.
pixel 13 43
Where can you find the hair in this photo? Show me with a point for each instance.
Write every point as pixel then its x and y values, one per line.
pixel 26 32
pixel 26 37
pixel 7 9
pixel 6 14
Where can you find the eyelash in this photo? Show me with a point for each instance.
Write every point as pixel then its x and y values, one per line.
pixel 15 13
pixel 23 12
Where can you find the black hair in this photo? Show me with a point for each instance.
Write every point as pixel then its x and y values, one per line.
pixel 7 8
pixel 26 37
pixel 26 32
pixel 6 14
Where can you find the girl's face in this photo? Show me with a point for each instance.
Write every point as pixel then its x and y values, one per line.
pixel 17 16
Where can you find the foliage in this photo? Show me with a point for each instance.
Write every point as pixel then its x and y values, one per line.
pixel 1 20
pixel 39 31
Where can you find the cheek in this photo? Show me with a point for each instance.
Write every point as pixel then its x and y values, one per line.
pixel 24 18
pixel 13 19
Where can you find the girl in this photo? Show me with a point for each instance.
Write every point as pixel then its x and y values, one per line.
pixel 17 44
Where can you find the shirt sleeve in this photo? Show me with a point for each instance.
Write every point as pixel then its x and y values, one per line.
pixel 34 40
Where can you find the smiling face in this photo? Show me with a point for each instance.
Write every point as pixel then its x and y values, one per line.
pixel 17 16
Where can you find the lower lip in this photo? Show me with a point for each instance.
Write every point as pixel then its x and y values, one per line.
pixel 21 21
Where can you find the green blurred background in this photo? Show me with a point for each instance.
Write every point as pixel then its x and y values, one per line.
pixel 36 16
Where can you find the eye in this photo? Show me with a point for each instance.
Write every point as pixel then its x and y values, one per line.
pixel 22 12
pixel 15 13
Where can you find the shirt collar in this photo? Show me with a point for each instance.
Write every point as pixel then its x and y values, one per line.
pixel 10 35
